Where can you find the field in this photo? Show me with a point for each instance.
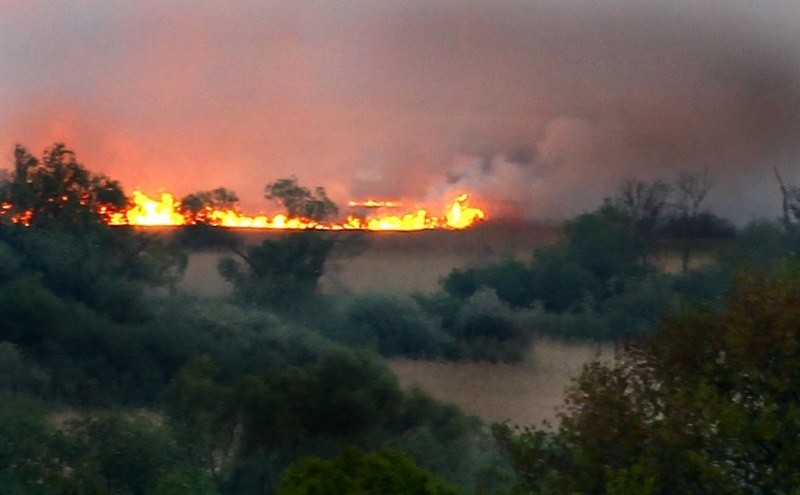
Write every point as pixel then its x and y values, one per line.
pixel 414 262
pixel 400 262
pixel 524 393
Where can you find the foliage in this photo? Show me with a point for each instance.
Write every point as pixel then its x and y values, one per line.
pixel 237 393
pixel 247 428
pixel 28 450
pixel 100 268
pixel 707 405
pixel 391 325
pixel 704 225
pixel 202 236
pixel 196 204
pixel 354 472
pixel 509 278
pixel 281 273
pixel 596 255
pixel 484 329
pixel 69 248
pixel 299 201
pixel 56 191
pixel 98 453
pixel 118 453
pixel 642 207
pixel 759 246
pixel 19 374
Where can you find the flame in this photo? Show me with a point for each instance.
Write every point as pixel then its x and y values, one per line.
pixel 149 212
pixel 23 218
pixel 461 216
pixel 146 211
pixel 375 203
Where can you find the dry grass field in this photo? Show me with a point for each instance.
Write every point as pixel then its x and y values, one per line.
pixel 401 262
pixel 524 393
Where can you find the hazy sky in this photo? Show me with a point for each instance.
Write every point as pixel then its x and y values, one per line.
pixel 538 107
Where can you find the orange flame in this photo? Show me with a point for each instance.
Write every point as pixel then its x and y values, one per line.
pixel 461 216
pixel 375 203
pixel 146 211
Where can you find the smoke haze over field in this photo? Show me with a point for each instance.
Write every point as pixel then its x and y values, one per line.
pixel 539 107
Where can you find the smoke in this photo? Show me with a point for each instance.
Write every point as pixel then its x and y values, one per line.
pixel 540 108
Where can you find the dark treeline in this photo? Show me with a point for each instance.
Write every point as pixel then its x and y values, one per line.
pixel 113 382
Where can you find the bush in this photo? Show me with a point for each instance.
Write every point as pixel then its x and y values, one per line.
pixel 385 472
pixel 20 375
pixel 485 328
pixel 390 325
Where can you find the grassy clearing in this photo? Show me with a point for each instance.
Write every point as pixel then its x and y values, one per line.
pixel 524 393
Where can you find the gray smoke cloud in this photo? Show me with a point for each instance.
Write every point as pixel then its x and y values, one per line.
pixel 539 109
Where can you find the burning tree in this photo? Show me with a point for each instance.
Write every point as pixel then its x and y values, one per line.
pixel 197 205
pixel 68 243
pixel 57 191
pixel 300 201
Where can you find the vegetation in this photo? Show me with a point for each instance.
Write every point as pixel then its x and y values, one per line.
pixel 601 280
pixel 283 273
pixel 112 382
pixel 354 472
pixel 709 404
pixel 57 191
pixel 196 205
pixel 234 391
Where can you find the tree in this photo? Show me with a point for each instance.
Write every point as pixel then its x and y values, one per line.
pixel 58 191
pixel 29 454
pixel 642 206
pixel 197 205
pixel 284 272
pixel 299 201
pixel 689 223
pixel 789 198
pixel 69 245
pixel 199 233
pixel 386 472
pixel 281 273
pixel 204 416
pixel 709 404
pixel 124 452
pixel 691 189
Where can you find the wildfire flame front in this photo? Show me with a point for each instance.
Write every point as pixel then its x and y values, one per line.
pixel 146 211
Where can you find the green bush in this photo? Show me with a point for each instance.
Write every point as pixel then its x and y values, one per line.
pixel 485 328
pixel 389 324
pixel 354 472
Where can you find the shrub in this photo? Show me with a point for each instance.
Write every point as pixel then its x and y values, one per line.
pixel 390 325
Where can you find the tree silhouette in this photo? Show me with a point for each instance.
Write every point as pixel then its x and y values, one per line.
pixel 299 201
pixel 284 272
pixel 58 191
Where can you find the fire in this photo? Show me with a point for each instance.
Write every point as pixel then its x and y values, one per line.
pixel 375 203
pixel 146 211
pixel 461 216
pixel 149 212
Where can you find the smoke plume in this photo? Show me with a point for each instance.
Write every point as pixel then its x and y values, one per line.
pixel 539 108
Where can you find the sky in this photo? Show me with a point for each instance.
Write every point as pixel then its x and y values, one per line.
pixel 538 108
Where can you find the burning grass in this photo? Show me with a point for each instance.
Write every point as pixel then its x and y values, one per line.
pixel 166 211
